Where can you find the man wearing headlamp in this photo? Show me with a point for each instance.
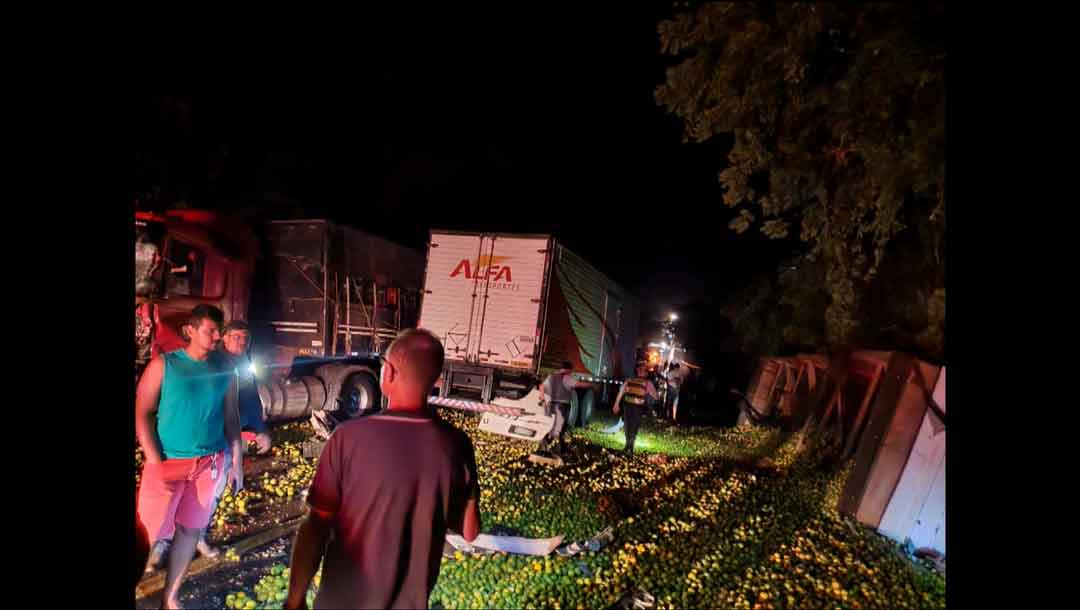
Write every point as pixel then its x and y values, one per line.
pixel 235 342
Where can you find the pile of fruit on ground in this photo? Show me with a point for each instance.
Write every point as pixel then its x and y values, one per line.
pixel 699 521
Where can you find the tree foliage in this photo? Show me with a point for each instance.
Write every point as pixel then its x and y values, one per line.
pixel 838 116
pixel 782 313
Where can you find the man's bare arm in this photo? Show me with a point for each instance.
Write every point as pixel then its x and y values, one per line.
pixel 307 553
pixel 618 399
pixel 146 406
pixel 468 520
pixel 471 527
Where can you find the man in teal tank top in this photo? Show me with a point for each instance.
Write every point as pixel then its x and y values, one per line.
pixel 186 416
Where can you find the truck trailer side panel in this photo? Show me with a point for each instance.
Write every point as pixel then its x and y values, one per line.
pixel 383 282
pixel 293 308
pixel 625 345
pixel 592 321
pixel 330 289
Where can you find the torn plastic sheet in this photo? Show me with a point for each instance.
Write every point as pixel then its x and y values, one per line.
pixel 505 544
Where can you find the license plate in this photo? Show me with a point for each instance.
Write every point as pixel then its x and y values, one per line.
pixel 526 432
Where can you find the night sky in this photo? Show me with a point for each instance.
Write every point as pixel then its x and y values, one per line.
pixel 540 133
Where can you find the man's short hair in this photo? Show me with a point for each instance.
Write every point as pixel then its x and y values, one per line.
pixel 566 364
pixel 235 325
pixel 420 353
pixel 203 312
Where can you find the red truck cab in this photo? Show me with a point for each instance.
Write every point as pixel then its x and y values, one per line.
pixel 185 258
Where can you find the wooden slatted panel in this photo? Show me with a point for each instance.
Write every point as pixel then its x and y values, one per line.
pixel 893 424
pixel 878 421
pixel 896 448
pixel 917 506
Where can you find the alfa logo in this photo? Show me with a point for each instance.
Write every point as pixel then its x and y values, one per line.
pixel 485 268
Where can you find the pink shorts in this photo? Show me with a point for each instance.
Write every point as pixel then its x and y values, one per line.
pixel 179 491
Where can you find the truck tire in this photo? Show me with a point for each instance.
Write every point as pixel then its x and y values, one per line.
pixel 585 407
pixel 360 395
pixel 336 376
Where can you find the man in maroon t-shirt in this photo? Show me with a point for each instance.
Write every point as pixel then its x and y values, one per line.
pixel 386 490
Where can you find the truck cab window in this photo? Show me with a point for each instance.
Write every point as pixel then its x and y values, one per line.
pixel 149 263
pixel 186 268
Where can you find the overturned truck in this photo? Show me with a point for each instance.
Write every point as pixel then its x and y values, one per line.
pixel 887 410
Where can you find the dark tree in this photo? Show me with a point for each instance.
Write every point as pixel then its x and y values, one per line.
pixel 838 116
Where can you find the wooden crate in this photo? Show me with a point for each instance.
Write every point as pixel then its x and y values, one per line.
pixel 844 410
pixel 761 396
pixel 867 369
pixel 780 384
pixel 803 385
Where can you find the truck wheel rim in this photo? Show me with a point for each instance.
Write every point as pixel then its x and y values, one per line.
pixel 358 401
